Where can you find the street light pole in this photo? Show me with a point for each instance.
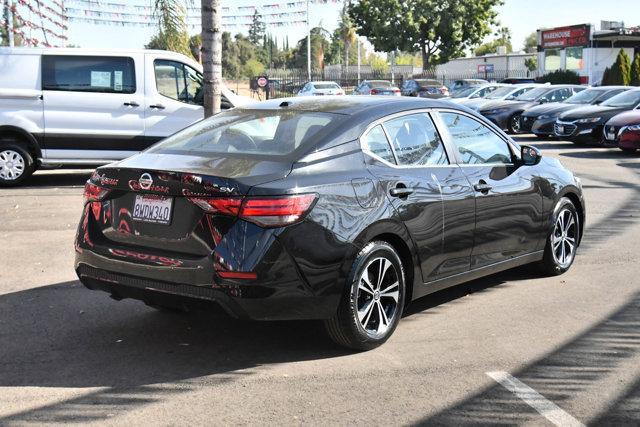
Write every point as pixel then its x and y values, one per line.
pixel 359 59
pixel 308 44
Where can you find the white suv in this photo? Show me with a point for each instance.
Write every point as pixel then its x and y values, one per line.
pixel 88 107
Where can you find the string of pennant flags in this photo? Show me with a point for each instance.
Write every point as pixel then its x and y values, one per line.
pixel 51 25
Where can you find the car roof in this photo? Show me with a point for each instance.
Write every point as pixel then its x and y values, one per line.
pixel 322 82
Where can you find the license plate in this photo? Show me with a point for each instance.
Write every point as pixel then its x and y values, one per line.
pixel 153 209
pixel 560 129
pixel 611 136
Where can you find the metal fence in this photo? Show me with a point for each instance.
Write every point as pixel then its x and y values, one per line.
pixel 283 83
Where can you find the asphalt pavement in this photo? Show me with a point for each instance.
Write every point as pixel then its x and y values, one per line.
pixel 512 348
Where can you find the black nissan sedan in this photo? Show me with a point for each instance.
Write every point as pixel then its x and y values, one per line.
pixel 506 113
pixel 341 209
pixel 585 124
pixel 540 119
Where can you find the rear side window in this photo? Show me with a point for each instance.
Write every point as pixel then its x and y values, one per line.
pixel 475 142
pixel 375 142
pixel 415 140
pixel 260 132
pixel 105 74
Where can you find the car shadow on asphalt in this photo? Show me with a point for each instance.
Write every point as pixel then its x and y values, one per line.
pixel 44 179
pixel 574 368
pixel 614 154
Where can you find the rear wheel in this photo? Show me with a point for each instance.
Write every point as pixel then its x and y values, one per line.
pixel 371 307
pixel 562 243
pixel 16 163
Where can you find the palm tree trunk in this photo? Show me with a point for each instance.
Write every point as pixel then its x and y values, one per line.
pixel 211 55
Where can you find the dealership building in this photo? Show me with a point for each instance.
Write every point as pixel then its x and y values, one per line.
pixel 585 50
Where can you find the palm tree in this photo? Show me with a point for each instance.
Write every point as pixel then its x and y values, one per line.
pixel 172 21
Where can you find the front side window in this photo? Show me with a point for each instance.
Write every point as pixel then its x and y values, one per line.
pixel 178 81
pixel 88 74
pixel 415 140
pixel 475 142
pixel 375 142
pixel 259 132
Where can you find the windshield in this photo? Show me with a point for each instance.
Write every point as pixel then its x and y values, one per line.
pixel 625 100
pixel 262 132
pixel 428 83
pixel 326 86
pixel 379 83
pixel 585 97
pixel 534 94
pixel 500 92
pixel 462 93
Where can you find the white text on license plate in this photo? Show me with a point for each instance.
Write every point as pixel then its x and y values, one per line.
pixel 154 209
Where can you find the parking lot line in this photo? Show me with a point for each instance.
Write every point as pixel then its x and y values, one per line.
pixel 545 407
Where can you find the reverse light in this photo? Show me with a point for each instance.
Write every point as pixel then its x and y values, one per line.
pixel 263 211
pixel 94 193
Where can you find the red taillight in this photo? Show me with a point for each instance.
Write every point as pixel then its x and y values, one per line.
pixel 223 205
pixel 396 91
pixel 247 275
pixel 374 91
pixel 94 193
pixel 264 211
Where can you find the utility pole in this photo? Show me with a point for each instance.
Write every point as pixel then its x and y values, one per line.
pixel 359 59
pixel 211 55
pixel 308 44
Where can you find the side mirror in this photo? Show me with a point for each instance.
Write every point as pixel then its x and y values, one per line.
pixel 544 101
pixel 530 155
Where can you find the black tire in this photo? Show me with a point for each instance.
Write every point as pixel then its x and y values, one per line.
pixel 513 126
pixel 346 328
pixel 12 152
pixel 550 264
pixel 628 150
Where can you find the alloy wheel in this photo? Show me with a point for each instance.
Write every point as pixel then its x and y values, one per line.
pixel 563 239
pixel 515 123
pixel 12 165
pixel 377 296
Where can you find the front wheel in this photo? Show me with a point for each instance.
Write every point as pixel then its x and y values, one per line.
pixel 562 243
pixel 628 149
pixel 371 307
pixel 514 123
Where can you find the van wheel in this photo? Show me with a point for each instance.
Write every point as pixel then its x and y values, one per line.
pixel 16 163
pixel 563 240
pixel 372 304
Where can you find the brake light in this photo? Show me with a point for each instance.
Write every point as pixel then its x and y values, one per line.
pixel 396 91
pixel 263 211
pixel 248 275
pixel 374 91
pixel 94 193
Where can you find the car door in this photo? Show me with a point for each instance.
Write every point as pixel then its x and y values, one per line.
pixel 93 106
pixel 430 194
pixel 173 97
pixel 509 220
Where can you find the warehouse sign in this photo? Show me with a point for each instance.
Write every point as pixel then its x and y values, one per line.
pixel 576 35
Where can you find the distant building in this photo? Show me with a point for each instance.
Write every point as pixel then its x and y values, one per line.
pixel 584 50
pixel 489 67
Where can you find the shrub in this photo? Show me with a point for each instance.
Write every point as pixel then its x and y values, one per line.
pixel 621 70
pixel 635 70
pixel 560 77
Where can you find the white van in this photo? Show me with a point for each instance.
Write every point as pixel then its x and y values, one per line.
pixel 89 107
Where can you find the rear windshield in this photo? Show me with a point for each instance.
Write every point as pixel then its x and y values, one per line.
pixel 462 93
pixel 379 83
pixel 259 132
pixel 326 86
pixel 585 96
pixel 429 83
pixel 500 92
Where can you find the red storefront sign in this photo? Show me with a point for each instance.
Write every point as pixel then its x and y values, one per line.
pixel 576 35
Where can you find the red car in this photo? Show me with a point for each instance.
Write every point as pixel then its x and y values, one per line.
pixel 624 130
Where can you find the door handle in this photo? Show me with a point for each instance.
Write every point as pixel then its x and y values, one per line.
pixel 131 104
pixel 400 191
pixel 158 106
pixel 482 187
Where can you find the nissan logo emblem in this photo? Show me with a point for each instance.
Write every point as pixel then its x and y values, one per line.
pixel 145 181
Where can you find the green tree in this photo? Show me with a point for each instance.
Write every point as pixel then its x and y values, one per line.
pixel 253 68
pixel 172 27
pixel 621 70
pixel 439 30
pixel 319 46
pixel 635 70
pixel 531 63
pixel 606 77
pixel 561 77
pixel 502 38
pixel 257 29
pixel 347 34
pixel 531 42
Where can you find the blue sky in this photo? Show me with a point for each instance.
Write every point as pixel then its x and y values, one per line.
pixel 521 16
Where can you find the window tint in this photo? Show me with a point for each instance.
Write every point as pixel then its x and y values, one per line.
pixel 178 81
pixel 259 132
pixel 375 141
pixel 558 95
pixel 415 140
pixel 476 143
pixel 88 74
